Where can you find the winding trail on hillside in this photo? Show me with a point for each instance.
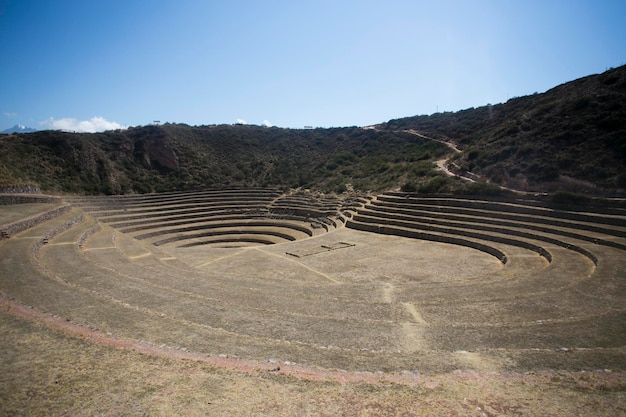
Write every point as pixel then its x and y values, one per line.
pixel 442 164
pixel 421 135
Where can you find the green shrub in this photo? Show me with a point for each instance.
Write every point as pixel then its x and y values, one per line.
pixel 481 189
pixel 621 180
pixel 340 188
pixel 569 198
pixel 473 154
pixel 435 185
pixel 409 187
pixel 422 168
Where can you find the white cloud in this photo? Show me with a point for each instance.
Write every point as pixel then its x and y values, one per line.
pixel 10 115
pixel 95 124
pixel 267 123
pixel 241 122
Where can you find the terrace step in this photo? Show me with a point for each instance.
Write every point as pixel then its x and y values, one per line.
pixel 509 210
pixel 288 231
pixel 203 214
pixel 455 218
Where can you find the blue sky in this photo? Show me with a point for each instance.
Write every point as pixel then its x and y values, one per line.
pixel 95 64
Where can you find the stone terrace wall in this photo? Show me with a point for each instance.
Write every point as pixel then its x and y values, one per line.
pixel 26 189
pixel 58 230
pixel 414 234
pixel 12 228
pixel 8 199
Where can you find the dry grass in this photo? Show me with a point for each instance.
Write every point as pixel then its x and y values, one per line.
pixel 13 212
pixel 51 373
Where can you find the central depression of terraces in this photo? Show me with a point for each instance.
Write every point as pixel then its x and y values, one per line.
pixel 219 218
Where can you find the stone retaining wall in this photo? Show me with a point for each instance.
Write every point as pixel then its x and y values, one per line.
pixel 376 228
pixel 57 230
pixel 421 224
pixel 87 234
pixel 22 189
pixel 467 233
pixel 8 199
pixel 594 223
pixel 502 208
pixel 12 228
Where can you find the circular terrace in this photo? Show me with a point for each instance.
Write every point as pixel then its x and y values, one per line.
pixel 375 283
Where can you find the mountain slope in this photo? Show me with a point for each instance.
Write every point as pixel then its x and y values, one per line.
pixel 174 156
pixel 571 137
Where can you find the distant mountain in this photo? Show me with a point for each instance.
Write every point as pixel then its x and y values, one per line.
pixel 19 129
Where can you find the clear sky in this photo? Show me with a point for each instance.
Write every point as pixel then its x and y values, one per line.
pixel 96 64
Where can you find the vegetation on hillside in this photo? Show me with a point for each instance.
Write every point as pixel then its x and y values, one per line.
pixel 178 157
pixel 573 137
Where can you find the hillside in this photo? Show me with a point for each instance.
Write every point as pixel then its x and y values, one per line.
pixel 177 157
pixel 571 138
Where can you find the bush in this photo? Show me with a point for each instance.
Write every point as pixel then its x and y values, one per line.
pixel 473 154
pixel 621 180
pixel 341 188
pixel 567 198
pixel 482 189
pixel 436 185
pixel 409 187
pixel 421 169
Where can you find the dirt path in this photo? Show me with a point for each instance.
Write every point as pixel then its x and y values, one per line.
pixel 442 164
pixel 421 135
